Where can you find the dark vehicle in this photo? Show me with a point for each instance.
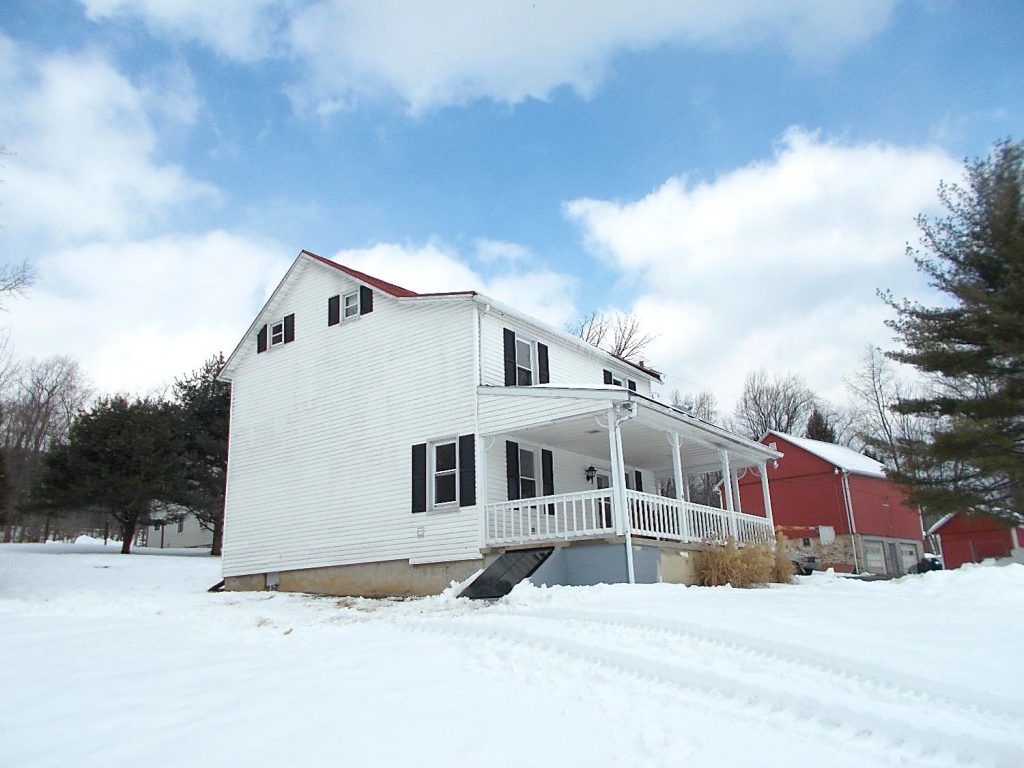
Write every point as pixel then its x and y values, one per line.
pixel 804 563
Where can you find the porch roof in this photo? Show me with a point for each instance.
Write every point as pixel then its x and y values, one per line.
pixel 575 419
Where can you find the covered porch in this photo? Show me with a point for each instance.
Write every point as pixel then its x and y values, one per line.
pixel 566 464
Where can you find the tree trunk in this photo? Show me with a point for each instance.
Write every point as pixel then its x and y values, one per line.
pixel 218 534
pixel 127 535
pixel 46 530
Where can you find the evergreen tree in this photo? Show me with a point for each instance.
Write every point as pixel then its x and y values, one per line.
pixel 972 346
pixel 205 405
pixel 819 428
pixel 121 458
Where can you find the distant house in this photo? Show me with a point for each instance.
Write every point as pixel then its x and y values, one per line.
pixel 972 538
pixel 839 505
pixel 180 530
pixel 385 442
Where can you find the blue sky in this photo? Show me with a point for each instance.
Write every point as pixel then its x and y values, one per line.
pixel 742 177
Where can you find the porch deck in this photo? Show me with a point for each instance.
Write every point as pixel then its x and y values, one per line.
pixel 588 515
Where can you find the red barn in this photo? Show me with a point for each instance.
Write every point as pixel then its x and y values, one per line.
pixel 839 505
pixel 973 538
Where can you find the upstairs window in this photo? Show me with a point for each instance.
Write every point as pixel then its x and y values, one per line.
pixel 524 362
pixel 275 334
pixel 350 305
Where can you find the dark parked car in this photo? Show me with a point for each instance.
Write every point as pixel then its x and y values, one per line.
pixel 803 563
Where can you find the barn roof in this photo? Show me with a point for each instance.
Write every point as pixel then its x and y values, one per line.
pixel 837 455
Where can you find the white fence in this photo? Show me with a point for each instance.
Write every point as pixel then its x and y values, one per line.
pixel 588 514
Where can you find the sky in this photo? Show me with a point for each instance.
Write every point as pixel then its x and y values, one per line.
pixel 742 176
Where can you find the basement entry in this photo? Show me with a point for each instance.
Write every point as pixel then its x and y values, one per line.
pixel 504 573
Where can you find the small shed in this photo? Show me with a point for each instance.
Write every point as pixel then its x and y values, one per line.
pixel 967 538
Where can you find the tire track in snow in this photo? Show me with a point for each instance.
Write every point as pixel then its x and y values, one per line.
pixel 835 721
pixel 895 681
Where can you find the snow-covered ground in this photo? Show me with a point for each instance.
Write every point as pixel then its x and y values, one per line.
pixel 115 661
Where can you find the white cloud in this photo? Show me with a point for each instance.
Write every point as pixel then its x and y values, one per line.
pixel 85 148
pixel 773 265
pixel 454 51
pixel 138 314
pixel 430 268
pixel 241 29
pixel 499 251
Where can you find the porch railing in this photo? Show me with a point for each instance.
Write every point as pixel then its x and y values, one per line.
pixel 588 514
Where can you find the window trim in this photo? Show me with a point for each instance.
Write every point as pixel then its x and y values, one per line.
pixel 532 344
pixel 279 323
pixel 344 313
pixel 537 478
pixel 432 473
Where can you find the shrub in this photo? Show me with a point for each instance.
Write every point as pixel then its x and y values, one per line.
pixel 751 566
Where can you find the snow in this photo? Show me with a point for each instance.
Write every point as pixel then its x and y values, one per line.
pixel 841 456
pixel 117 660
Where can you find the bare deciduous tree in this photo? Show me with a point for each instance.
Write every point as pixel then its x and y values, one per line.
pixel 15 280
pixel 36 414
pixel 618 333
pixel 780 404
pixel 875 388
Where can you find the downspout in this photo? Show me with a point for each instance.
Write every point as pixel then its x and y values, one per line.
pixel 848 501
pixel 628 410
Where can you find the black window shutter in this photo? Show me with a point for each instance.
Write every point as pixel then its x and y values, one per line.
pixel 543 374
pixel 607 377
pixel 365 300
pixel 512 469
pixel 632 385
pixel 419 477
pixel 547 476
pixel 261 340
pixel 289 328
pixel 467 470
pixel 334 310
pixel 638 481
pixel 510 359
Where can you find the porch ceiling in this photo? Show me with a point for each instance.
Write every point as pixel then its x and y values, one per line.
pixel 645 438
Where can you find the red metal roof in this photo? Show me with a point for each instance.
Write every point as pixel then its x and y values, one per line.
pixel 376 282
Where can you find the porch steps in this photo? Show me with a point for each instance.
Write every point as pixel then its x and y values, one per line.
pixel 504 573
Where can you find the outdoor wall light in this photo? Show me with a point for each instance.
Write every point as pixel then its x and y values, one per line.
pixel 590 473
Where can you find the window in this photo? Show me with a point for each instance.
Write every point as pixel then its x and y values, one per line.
pixel 446 473
pixel 617 381
pixel 277 334
pixel 181 525
pixel 350 305
pixel 524 362
pixel 805 542
pixel 527 473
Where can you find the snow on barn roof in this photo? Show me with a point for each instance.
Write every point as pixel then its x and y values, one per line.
pixel 840 456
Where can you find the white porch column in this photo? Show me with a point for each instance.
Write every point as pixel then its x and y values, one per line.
pixel 620 509
pixel 767 497
pixel 727 487
pixel 680 483
pixel 737 499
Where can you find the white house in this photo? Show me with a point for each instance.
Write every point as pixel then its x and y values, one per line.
pixel 178 531
pixel 385 442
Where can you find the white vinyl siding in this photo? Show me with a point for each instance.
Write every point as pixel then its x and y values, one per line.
pixel 320 458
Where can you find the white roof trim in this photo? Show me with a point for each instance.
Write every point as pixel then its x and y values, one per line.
pixel 941 522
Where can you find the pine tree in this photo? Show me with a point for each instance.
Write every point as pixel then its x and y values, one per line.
pixel 972 346
pixel 205 404
pixel 819 428
pixel 122 456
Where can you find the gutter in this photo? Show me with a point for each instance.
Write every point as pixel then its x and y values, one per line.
pixel 848 502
